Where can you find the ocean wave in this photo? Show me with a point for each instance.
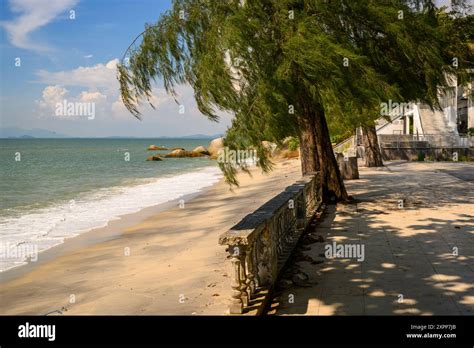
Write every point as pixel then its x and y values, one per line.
pixel 25 236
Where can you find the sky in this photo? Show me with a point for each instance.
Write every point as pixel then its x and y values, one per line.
pixel 65 52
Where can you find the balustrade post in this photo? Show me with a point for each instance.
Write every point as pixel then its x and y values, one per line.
pixel 250 274
pixel 236 282
pixel 243 277
pixel 256 277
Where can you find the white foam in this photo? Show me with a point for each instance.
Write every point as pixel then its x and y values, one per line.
pixel 47 227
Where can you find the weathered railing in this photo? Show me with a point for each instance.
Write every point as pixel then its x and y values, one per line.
pixel 423 141
pixel 260 244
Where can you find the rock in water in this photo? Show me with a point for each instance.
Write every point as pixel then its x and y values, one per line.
pixel 155 158
pixel 156 148
pixel 176 153
pixel 183 153
pixel 201 149
pixel 214 147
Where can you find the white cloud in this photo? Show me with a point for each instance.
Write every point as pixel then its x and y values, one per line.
pixel 93 77
pixel 98 84
pixel 54 95
pixel 88 56
pixel 32 15
pixel 92 97
pixel 51 96
pixel 165 105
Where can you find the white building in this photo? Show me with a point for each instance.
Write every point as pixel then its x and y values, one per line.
pixel 447 127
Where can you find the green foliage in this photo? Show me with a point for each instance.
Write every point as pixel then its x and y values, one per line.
pixel 293 144
pixel 254 60
pixel 335 139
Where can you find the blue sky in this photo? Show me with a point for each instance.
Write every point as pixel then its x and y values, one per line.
pixel 74 60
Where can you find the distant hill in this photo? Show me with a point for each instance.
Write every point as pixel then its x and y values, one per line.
pixel 193 136
pixel 196 136
pixel 15 132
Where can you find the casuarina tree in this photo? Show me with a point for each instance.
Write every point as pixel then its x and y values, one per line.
pixel 281 68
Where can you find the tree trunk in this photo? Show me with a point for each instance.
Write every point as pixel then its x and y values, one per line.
pixel 316 148
pixel 331 180
pixel 308 150
pixel 373 156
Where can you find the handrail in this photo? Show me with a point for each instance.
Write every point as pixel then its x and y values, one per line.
pixel 341 143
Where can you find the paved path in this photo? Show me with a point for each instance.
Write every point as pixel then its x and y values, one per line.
pixel 418 259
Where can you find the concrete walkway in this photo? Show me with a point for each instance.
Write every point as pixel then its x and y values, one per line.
pixel 418 258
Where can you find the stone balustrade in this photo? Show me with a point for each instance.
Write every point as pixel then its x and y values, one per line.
pixel 260 244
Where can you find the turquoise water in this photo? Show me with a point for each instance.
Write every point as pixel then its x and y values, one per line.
pixel 57 169
pixel 56 188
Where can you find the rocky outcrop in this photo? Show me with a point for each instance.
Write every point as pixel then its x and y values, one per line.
pixel 214 146
pixel 154 158
pixel 183 153
pixel 156 148
pixel 201 149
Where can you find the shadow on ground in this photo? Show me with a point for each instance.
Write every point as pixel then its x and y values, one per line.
pixel 418 259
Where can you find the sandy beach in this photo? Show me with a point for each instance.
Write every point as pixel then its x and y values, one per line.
pixel 163 260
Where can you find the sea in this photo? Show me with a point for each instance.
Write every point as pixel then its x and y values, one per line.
pixel 53 189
